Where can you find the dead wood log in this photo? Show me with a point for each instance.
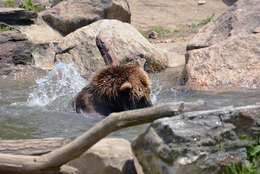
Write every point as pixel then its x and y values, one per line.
pixel 106 52
pixel 51 162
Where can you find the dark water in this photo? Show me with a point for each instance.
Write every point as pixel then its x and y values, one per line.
pixel 43 109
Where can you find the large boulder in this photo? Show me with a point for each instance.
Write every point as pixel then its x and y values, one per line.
pixel 226 53
pixel 16 15
pixel 199 142
pixel 108 156
pixel 15 48
pixel 69 15
pixel 126 42
pixel 20 58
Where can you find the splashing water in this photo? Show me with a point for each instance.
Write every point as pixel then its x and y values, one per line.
pixel 57 88
pixel 156 89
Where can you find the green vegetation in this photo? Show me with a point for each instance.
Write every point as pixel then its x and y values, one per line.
pixel 29 5
pixel 250 167
pixel 160 30
pixel 176 31
pixel 201 23
pixel 5 28
pixel 142 32
pixel 26 4
pixel 9 3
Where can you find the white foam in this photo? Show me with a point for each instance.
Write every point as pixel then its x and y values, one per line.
pixel 58 87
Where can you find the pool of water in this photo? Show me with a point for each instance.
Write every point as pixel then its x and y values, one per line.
pixel 44 109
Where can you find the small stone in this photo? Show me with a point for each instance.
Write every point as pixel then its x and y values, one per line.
pixel 153 35
pixel 201 2
pixel 257 30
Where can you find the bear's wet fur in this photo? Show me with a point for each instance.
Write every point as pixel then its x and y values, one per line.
pixel 115 88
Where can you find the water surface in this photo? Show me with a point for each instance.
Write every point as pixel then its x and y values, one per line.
pixel 44 109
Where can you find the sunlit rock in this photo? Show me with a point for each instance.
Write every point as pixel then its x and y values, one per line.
pixel 200 142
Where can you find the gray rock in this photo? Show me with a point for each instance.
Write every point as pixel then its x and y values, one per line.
pixel 108 156
pixel 22 60
pixel 229 2
pixel 15 48
pixel 67 16
pixel 126 42
pixel 199 142
pixel 153 35
pixel 225 54
pixel 16 15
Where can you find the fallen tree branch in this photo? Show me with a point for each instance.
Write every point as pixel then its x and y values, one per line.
pixel 51 162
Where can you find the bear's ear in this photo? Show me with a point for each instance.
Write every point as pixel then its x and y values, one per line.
pixel 126 86
pixel 138 63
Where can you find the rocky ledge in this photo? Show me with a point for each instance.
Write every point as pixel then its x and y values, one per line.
pixel 198 142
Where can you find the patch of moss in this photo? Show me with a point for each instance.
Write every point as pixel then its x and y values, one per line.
pixel 161 30
pixel 201 23
pixel 142 32
pixel 5 28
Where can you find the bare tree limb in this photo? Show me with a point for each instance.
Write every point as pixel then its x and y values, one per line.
pixel 21 164
pixel 106 52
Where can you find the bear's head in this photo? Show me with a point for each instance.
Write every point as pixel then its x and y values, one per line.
pixel 121 87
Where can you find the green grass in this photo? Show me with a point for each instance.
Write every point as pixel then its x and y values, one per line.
pixel 26 4
pixel 176 31
pixel 9 3
pixel 250 167
pixel 201 23
pixel 142 32
pixel 160 30
pixel 5 28
pixel 29 5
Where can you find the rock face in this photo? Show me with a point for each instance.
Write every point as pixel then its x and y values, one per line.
pixel 198 142
pixel 109 156
pixel 20 58
pixel 226 53
pixel 126 42
pixel 16 15
pixel 15 48
pixel 67 16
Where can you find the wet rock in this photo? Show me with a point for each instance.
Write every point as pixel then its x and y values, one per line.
pixel 108 156
pixel 44 54
pixel 15 48
pixel 225 53
pixel 11 74
pixel 16 16
pixel 126 42
pixel 199 142
pixel 20 57
pixel 67 16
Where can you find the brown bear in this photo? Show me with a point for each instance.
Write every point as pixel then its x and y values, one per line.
pixel 115 88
